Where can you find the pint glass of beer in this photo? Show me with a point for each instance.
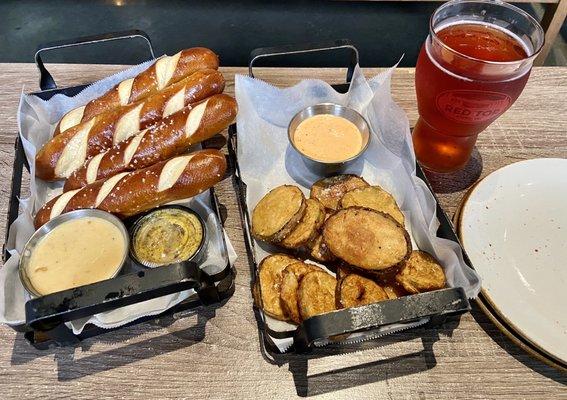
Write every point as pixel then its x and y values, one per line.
pixel 473 66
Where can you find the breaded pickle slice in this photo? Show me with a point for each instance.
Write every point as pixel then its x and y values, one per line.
pixel 379 275
pixel 329 191
pixel 366 239
pixel 375 198
pixel 270 275
pixel 393 290
pixel 344 270
pixel 421 273
pixel 316 294
pixel 291 276
pixel 308 227
pixel 278 213
pixel 355 290
pixel 319 250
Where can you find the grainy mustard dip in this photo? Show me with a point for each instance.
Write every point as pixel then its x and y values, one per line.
pixel 166 236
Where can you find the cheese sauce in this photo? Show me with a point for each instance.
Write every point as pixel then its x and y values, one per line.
pixel 328 138
pixel 77 252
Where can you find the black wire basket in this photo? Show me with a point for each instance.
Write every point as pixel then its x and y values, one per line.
pixel 46 316
pixel 369 321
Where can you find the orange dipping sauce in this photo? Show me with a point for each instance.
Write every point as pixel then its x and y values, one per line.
pixel 328 138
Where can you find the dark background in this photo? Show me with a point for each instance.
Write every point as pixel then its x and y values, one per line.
pixel 382 31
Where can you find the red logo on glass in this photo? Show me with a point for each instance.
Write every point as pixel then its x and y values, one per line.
pixel 472 106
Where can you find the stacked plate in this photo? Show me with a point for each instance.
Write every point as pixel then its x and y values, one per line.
pixel 513 226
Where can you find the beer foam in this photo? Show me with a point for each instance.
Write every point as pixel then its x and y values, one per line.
pixel 524 45
pixel 528 48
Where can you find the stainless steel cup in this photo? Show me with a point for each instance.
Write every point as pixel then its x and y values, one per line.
pixel 55 222
pixel 323 167
pixel 200 254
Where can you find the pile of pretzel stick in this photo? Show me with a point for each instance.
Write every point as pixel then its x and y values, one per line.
pixel 126 151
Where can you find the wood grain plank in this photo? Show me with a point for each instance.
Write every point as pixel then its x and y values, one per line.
pixel 215 352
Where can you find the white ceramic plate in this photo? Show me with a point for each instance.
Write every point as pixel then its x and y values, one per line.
pixel 513 225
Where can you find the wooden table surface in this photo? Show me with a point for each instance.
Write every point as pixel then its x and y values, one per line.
pixel 215 353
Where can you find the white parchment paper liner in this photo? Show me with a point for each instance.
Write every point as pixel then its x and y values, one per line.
pixel 267 160
pixel 36 120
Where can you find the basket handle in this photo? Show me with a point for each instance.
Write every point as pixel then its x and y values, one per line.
pixel 266 52
pixel 48 312
pixel 434 305
pixel 20 162
pixel 46 81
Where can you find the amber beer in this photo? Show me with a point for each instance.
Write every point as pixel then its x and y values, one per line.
pixel 471 69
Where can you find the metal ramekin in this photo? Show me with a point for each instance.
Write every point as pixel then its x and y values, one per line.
pixel 52 224
pixel 199 254
pixel 322 167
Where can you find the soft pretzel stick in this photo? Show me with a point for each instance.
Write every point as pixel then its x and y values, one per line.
pixel 130 193
pixel 164 72
pixel 170 137
pixel 66 152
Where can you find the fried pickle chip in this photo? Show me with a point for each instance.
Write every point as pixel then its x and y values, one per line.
pixel 270 275
pixel 366 239
pixel 393 290
pixel 381 275
pixel 342 271
pixel 316 294
pixel 308 227
pixel 256 294
pixel 421 273
pixel 291 276
pixel 373 197
pixel 329 191
pixel 354 290
pixel 278 213
pixel 319 250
